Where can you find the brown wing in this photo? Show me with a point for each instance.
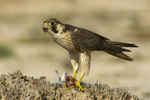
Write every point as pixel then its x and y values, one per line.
pixel 93 41
pixel 86 39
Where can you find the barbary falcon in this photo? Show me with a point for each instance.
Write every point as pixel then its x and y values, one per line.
pixel 81 42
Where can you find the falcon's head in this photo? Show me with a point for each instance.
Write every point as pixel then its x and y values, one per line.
pixel 53 26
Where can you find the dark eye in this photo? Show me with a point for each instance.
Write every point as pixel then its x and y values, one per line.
pixel 51 23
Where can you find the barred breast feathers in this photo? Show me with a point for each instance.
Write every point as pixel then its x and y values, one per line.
pixel 65 41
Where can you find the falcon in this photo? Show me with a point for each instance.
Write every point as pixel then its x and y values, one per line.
pixel 80 43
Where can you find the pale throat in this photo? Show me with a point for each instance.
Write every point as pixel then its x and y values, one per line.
pixel 59 35
pixel 59 29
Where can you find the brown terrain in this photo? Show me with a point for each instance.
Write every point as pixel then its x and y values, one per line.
pixel 17 86
pixel 25 47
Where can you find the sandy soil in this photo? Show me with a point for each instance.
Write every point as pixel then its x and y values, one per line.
pixel 118 20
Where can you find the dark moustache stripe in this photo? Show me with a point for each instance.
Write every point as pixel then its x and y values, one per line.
pixel 54 29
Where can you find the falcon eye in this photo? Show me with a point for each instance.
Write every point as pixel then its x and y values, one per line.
pixel 51 23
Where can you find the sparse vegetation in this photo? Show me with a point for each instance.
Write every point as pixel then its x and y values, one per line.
pixel 36 35
pixel 5 51
pixel 135 23
pixel 19 87
pixel 137 29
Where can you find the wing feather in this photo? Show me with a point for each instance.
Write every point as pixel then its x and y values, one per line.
pixel 87 39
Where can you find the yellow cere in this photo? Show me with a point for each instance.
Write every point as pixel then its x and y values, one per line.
pixel 46 25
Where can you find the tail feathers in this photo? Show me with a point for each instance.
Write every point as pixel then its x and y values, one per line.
pixel 120 55
pixel 115 49
pixel 122 44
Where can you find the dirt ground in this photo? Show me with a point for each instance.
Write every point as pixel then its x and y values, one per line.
pixel 35 54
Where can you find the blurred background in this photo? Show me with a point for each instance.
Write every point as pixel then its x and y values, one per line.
pixel 24 46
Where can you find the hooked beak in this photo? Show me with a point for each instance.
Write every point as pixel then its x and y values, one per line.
pixel 45 29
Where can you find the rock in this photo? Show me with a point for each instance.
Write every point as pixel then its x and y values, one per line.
pixel 20 87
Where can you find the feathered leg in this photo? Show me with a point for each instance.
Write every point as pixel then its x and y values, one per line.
pixel 74 57
pixel 85 59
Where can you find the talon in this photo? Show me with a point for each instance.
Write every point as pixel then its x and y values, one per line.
pixel 70 87
pixel 64 84
pixel 79 85
pixel 71 82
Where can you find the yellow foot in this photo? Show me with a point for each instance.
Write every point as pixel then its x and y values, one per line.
pixel 75 72
pixel 79 85
pixel 64 84
pixel 69 87
pixel 71 82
